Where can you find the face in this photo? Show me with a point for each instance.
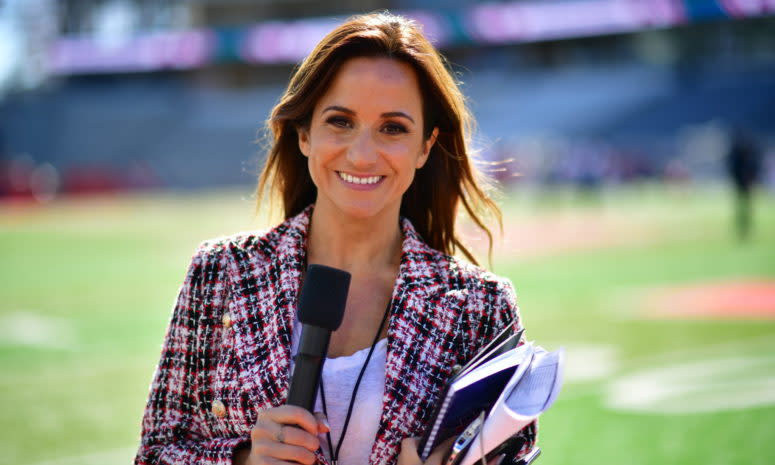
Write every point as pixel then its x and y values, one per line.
pixel 365 140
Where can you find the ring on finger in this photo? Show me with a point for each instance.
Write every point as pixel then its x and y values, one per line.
pixel 280 436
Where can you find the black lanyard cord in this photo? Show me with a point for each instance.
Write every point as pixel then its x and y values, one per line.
pixel 335 453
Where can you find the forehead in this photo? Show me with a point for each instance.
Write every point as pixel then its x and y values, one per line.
pixel 381 84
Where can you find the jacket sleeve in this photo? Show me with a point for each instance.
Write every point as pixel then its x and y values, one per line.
pixel 503 311
pixel 175 427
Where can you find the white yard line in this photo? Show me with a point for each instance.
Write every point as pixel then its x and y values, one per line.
pixel 586 362
pixel 24 328
pixel 712 384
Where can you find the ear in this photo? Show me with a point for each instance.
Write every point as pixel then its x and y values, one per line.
pixel 427 146
pixel 303 134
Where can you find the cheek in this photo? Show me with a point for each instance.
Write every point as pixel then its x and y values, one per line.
pixel 410 155
pixel 403 150
pixel 325 144
pixel 318 148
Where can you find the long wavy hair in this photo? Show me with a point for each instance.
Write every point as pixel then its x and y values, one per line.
pixel 447 180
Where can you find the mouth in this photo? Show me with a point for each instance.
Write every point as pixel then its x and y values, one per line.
pixel 364 180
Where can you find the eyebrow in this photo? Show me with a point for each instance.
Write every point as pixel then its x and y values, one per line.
pixel 389 114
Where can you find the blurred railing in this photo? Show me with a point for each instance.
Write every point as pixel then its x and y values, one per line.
pixel 488 23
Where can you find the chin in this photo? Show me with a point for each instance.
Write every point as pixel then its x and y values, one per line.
pixel 361 211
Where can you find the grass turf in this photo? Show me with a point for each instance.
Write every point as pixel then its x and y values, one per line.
pixel 87 287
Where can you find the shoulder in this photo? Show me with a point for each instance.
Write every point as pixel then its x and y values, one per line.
pixel 285 239
pixel 490 303
pixel 475 279
pixel 215 266
pixel 447 271
pixel 490 300
pixel 212 257
pixel 256 246
pixel 248 243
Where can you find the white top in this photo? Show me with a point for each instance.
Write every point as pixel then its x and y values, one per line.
pixel 339 377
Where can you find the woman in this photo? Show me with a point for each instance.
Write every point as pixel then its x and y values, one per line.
pixel 369 160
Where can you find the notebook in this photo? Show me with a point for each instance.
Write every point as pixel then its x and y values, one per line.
pixel 475 388
pixel 523 400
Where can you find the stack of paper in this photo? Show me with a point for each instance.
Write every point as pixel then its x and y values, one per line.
pixel 476 388
pixel 529 393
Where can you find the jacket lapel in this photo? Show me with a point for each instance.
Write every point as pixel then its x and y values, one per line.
pixel 421 343
pixel 265 291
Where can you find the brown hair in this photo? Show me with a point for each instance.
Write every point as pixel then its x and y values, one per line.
pixel 448 178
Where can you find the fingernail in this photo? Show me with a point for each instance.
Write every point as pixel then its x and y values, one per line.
pixel 322 418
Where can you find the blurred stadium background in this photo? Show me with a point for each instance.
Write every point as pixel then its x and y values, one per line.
pixel 130 131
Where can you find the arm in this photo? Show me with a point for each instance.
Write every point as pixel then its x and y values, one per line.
pixel 174 424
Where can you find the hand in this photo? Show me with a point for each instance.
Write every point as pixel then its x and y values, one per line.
pixel 409 456
pixel 283 435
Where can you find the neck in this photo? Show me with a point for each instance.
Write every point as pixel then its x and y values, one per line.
pixel 353 244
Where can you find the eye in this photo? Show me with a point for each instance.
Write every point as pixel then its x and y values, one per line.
pixel 394 128
pixel 339 122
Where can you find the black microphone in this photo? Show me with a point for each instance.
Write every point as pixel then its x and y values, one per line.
pixel 321 309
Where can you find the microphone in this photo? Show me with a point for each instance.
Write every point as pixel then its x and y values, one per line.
pixel 321 309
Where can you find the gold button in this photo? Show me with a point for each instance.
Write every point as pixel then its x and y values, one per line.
pixel 218 409
pixel 226 320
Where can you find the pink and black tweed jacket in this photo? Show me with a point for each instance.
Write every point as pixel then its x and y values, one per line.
pixel 229 343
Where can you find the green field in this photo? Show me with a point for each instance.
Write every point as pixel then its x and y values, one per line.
pixel 88 284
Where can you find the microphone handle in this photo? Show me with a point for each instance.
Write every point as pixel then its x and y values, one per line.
pixel 313 348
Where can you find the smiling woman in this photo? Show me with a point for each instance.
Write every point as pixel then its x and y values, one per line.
pixel 363 144
pixel 370 162
pixel 410 65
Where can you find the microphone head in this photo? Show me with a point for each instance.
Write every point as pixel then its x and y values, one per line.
pixel 323 297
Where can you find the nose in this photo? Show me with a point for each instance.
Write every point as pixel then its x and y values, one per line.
pixel 362 152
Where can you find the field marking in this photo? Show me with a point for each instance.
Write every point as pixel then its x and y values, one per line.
pixel 756 345
pixel 587 362
pixel 700 386
pixel 752 298
pixel 30 329
pixel 105 457
pixel 531 235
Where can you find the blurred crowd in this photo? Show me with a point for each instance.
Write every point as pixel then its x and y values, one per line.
pixel 585 164
pixel 590 164
pixel 104 96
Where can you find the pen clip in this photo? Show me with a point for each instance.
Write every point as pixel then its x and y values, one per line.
pixel 463 441
pixel 530 456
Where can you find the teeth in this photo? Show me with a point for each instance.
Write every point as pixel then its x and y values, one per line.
pixel 357 180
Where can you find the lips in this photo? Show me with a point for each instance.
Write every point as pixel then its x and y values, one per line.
pixel 364 180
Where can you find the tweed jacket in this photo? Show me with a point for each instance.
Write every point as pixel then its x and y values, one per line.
pixel 227 351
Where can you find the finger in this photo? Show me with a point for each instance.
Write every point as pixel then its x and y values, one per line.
pixel 410 444
pixel 277 450
pixel 497 460
pixel 298 437
pixel 274 461
pixel 408 455
pixel 440 452
pixel 292 415
pixel 323 425
pixel 268 430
